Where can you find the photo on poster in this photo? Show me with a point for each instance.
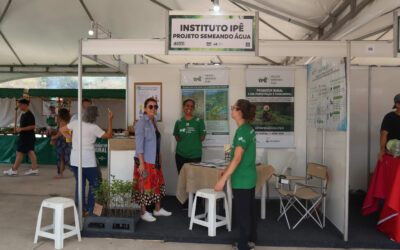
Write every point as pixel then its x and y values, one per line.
pixel 274 116
pixel 217 104
pixel 197 95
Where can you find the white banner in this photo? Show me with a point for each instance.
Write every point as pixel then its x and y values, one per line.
pixel 327 94
pixel 209 89
pixel 272 91
pixel 194 33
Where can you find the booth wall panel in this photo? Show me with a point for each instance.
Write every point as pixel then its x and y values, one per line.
pixel 169 75
pixel 7 111
pixel 335 159
pixel 384 86
pixel 359 129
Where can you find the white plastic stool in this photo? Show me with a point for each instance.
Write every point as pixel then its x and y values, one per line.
pixel 210 214
pixel 58 204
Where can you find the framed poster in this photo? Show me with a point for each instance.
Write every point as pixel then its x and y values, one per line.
pixel 144 90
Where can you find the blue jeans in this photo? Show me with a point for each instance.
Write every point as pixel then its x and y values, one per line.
pixel 91 175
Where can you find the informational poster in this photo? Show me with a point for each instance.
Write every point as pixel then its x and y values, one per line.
pixel 199 32
pixel 146 90
pixel 209 89
pixel 272 91
pixel 326 106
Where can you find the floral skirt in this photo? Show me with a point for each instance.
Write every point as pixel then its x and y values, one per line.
pixel 149 189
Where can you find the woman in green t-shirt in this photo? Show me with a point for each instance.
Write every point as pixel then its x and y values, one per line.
pixel 242 170
pixel 189 132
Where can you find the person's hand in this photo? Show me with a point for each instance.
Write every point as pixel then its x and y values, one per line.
pixel 141 168
pixel 110 115
pixel 220 185
pixel 380 155
pixel 53 137
pixel 18 130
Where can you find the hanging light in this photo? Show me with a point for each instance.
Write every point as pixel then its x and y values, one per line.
pixel 216 7
pixel 91 30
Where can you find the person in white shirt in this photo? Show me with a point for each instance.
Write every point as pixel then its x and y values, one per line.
pixel 90 132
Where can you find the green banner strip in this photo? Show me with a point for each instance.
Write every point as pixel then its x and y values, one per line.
pixel 269 92
pixel 73 93
pixel 11 93
pixel 204 87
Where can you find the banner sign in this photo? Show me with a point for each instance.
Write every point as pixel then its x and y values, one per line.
pixel 209 89
pixel 272 91
pixel 326 106
pixel 199 33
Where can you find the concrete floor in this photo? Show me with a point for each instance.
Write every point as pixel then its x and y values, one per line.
pixel 20 199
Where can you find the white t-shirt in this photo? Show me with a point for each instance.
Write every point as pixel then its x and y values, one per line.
pixel 90 132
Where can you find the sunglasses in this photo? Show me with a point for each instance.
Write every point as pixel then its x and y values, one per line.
pixel 151 106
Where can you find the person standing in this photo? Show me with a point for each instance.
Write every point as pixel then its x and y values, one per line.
pixel 189 133
pixel 148 181
pixel 242 170
pixel 26 140
pixel 390 128
pixel 63 147
pixel 51 120
pixel 90 132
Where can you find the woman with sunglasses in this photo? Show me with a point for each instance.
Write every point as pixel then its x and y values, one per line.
pixel 189 133
pixel 148 181
pixel 242 170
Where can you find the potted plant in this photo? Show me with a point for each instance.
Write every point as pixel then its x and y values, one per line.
pixel 114 214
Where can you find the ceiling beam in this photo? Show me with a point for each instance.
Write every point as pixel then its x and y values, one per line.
pixel 384 29
pixel 10 47
pixel 277 15
pixel 56 69
pixel 264 22
pixel 346 18
pixel 86 10
pixel 384 33
pixel 3 14
pixel 269 60
pixel 161 5
pixel 157 59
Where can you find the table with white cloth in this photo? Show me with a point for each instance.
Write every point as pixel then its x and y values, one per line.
pixel 193 178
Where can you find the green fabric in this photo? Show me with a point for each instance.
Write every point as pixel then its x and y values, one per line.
pixel 189 132
pixel 245 174
pixel 73 93
pixel 45 153
pixel 11 93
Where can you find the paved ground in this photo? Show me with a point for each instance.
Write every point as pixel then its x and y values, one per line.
pixel 20 199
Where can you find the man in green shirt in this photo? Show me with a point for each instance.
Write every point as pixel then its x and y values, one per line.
pixel 189 133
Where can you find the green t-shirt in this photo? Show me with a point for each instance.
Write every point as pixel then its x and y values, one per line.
pixel 189 132
pixel 245 174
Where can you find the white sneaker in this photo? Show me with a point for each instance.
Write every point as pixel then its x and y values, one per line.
pixel 148 217
pixel 32 172
pixel 10 172
pixel 161 212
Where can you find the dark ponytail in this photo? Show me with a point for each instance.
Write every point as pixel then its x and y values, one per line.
pixel 248 109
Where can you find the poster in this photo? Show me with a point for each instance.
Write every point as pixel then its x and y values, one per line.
pixel 209 89
pixel 199 32
pixel 326 106
pixel 272 91
pixel 142 92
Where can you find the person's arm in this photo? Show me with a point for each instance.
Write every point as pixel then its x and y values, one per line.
pixel 58 135
pixel 176 131
pixel 66 132
pixel 26 128
pixel 203 131
pixel 383 141
pixel 237 157
pixel 139 136
pixel 108 134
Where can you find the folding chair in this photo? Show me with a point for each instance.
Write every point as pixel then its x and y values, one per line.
pixel 315 194
pixel 286 196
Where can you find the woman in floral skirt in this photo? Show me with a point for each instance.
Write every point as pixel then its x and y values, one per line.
pixel 148 181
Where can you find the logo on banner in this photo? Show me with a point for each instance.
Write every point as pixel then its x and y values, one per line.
pixel 197 79
pixel 263 80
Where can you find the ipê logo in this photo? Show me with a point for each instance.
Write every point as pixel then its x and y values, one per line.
pixel 263 80
pixel 197 79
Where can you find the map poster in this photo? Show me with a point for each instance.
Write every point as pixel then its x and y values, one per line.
pixel 146 90
pixel 209 90
pixel 272 91
pixel 326 106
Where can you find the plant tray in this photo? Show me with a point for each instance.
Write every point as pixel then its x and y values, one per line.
pixel 109 226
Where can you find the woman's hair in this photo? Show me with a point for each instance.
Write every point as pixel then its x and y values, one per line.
pixel 248 109
pixel 90 114
pixel 151 99
pixel 189 100
pixel 63 115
